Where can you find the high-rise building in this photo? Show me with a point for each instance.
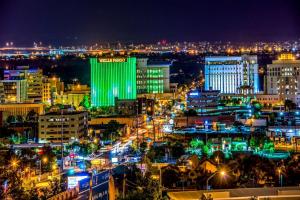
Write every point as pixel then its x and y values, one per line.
pixel 152 77
pixel 33 78
pixel 15 91
pixel 112 78
pixel 52 87
pixel 283 78
pixel 232 74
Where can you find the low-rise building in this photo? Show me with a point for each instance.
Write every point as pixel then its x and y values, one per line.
pixel 2 95
pixel 197 99
pixel 129 121
pixel 74 95
pixel 22 109
pixel 67 125
pixel 269 99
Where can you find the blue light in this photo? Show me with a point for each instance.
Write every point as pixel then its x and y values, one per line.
pixel 281 113
pixel 297 113
pixel 71 171
pixel 206 122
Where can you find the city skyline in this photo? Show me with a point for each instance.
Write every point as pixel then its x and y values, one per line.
pixel 80 23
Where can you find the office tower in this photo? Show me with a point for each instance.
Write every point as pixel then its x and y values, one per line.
pixel 15 91
pixel 33 78
pixel 152 77
pixel 283 78
pixel 112 78
pixel 232 74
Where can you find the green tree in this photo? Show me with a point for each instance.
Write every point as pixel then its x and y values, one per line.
pixel 170 177
pixel 11 185
pixel 85 102
pixel 32 116
pixel 112 131
pixel 289 105
pixel 11 119
pixel 143 147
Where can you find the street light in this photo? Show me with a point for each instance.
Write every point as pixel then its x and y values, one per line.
pixel 280 177
pixel 222 173
pixel 44 160
pixel 14 163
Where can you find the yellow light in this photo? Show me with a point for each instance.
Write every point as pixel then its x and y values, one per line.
pixel 14 163
pixel 27 169
pixel 54 167
pixel 223 173
pixel 45 159
pixel 286 56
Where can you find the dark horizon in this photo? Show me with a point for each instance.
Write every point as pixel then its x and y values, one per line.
pixel 75 22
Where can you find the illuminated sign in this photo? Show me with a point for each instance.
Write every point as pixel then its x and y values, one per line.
pixel 286 56
pixel 101 60
pixel 73 181
pixel 194 94
pixel 114 160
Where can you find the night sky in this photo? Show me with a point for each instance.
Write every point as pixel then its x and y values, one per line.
pixel 73 22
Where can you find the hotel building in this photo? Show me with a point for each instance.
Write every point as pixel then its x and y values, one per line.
pixel 283 78
pixel 232 74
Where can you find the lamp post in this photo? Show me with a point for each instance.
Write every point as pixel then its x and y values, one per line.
pixel 280 177
pixel 44 160
pixel 222 173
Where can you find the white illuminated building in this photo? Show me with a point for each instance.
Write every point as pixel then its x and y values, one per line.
pixel 230 74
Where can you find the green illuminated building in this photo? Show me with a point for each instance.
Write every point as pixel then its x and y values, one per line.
pixel 152 77
pixel 112 78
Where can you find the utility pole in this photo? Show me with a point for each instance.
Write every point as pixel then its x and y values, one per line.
pixel 62 145
pixel 137 126
pixel 160 182
pixel 124 184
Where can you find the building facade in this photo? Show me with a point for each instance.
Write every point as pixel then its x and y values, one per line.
pixel 197 99
pixel 33 78
pixel 112 78
pixel 152 77
pixel 75 125
pixel 283 78
pixel 52 87
pixel 232 74
pixel 268 99
pixel 22 109
pixel 2 94
pixel 15 91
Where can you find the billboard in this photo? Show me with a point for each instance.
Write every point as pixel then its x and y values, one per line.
pixel 73 181
pixel 100 187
